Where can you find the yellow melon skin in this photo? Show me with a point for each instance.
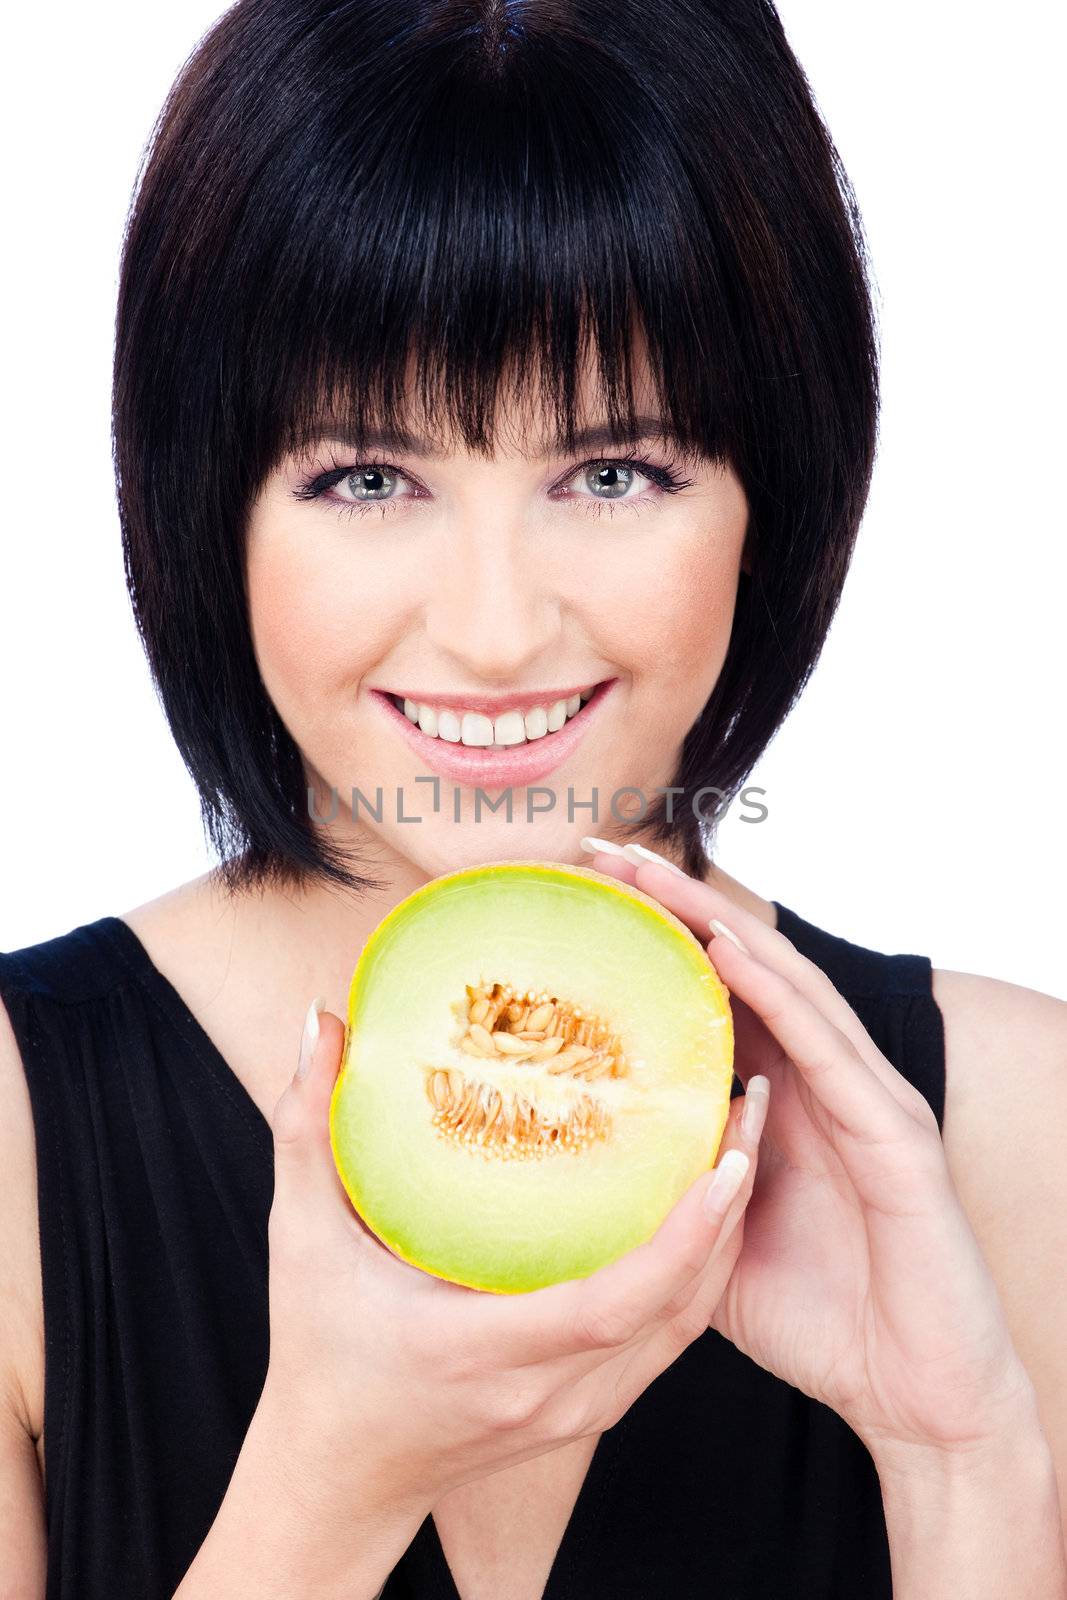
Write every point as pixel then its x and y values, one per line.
pixel 482 1214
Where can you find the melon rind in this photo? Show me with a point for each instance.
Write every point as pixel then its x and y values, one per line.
pixel 512 1226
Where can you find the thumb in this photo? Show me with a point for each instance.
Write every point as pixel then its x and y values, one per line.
pixel 303 1160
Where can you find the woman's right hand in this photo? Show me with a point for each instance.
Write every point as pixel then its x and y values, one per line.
pixel 377 1368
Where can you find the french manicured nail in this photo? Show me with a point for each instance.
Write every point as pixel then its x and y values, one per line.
pixel 754 1114
pixel 720 927
pixel 638 853
pixel 310 1037
pixel 728 1178
pixel 592 845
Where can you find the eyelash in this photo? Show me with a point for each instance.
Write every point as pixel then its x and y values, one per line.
pixel 664 475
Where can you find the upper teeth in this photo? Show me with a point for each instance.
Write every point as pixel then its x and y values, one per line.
pixel 511 727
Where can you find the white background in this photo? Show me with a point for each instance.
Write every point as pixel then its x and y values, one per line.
pixel 916 794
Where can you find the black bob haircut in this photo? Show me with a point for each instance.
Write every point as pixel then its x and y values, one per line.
pixel 486 188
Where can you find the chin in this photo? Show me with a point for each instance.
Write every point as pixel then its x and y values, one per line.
pixel 473 844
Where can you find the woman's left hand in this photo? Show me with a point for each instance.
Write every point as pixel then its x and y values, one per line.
pixel 859 1279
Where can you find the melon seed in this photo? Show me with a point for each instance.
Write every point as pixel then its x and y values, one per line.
pixel 480 1116
pixel 569 1057
pixel 508 1045
pixel 538 1026
pixel 596 1067
pixel 439 1092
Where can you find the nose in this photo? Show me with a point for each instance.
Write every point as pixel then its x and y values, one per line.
pixel 492 606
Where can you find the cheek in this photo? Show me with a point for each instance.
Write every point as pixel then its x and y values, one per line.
pixel 673 618
pixel 312 627
pixel 287 632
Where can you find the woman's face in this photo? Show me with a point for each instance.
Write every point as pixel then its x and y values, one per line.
pixel 485 592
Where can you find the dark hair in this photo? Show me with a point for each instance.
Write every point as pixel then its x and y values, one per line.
pixel 335 188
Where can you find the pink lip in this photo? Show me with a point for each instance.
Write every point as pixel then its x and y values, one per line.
pixel 500 767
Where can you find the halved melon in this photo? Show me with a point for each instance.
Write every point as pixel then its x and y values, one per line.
pixel 537 1064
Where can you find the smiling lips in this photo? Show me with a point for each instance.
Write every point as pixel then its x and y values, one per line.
pixel 473 728
pixel 514 748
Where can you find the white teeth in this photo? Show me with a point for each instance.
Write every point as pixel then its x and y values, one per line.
pixel 476 729
pixel 510 728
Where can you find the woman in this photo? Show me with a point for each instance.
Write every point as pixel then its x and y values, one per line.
pixel 507 371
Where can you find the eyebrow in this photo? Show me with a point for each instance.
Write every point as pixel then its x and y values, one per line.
pixel 595 437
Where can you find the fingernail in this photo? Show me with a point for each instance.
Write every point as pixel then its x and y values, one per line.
pixel 310 1037
pixel 757 1100
pixel 638 853
pixel 720 927
pixel 728 1178
pixel 592 845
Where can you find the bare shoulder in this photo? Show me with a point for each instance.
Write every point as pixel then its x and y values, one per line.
pixel 21 1306
pixel 1005 1116
pixel 21 1328
pixel 1005 1093
pixel 190 908
pixel 1004 1044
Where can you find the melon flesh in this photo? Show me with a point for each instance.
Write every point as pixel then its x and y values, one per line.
pixel 512 1214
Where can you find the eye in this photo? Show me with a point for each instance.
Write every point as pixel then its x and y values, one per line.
pixel 357 488
pixel 371 483
pixel 614 480
pixel 610 481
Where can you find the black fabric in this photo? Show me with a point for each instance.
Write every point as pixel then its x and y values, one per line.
pixel 155 1178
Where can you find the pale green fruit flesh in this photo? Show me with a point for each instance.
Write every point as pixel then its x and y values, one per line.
pixel 515 1211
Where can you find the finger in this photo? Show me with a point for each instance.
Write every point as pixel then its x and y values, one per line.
pixel 858 1103
pixel 616 1378
pixel 738 1134
pixel 615 866
pixel 304 1169
pixel 745 1131
pixel 611 1307
pixel 696 903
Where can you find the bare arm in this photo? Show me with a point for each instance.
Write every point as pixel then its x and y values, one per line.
pixel 22 1527
pixel 1005 1112
pixel 22 1541
pixel 983 1527
pixel 993 1524
pixel 276 1536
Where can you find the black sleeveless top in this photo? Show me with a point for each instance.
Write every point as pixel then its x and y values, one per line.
pixel 155 1179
